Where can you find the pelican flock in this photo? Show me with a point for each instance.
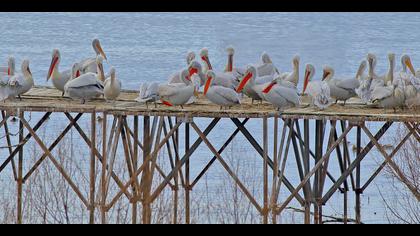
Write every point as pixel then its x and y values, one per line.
pixel 261 81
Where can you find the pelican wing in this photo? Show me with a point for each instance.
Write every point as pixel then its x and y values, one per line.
pixel 89 79
pixel 348 84
pixel 289 94
pixel 168 90
pixel 381 92
pixel 228 94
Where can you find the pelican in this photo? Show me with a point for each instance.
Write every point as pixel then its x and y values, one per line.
pixel 179 94
pixel 86 86
pixel 59 79
pixel 252 86
pixel 237 72
pixel 222 79
pixel 204 54
pixel 149 94
pixel 222 96
pixel 9 70
pixel 89 64
pixel 267 67
pixel 341 90
pixel 18 84
pixel 318 91
pixel 112 87
pixel 282 94
pixel 294 75
pixel 176 77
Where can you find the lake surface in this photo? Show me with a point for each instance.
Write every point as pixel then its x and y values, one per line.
pixel 146 47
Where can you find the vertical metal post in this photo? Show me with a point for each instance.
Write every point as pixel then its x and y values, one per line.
pixel 20 172
pixel 306 164
pixel 275 169
pixel 187 175
pixel 146 153
pixel 104 168
pixel 265 170
pixel 358 193
pixel 135 166
pixel 92 170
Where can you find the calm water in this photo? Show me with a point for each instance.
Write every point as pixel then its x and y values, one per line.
pixel 150 46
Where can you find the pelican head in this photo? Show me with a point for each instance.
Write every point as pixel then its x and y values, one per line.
pixel 11 66
pixel 309 73
pixel 230 51
pixel 265 58
pixel 98 48
pixel 190 57
pixel 371 58
pixel 250 74
pixel 204 54
pixel 296 60
pixel 362 68
pixel 194 67
pixel 328 73
pixel 406 62
pixel 75 71
pixel 25 68
pixel 55 61
pixel 112 72
pixel 210 75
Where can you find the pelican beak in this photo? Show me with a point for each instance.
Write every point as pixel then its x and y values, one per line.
pixel 77 73
pixel 101 51
pixel 207 61
pixel 29 70
pixel 9 71
pixel 269 87
pixel 166 103
pixel 54 62
pixel 244 81
pixel 306 81
pixel 208 83
pixel 325 75
pixel 230 64
pixel 193 71
pixel 410 66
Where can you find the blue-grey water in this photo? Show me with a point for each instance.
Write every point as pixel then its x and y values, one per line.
pixel 146 47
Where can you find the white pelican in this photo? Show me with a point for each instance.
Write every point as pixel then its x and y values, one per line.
pixel 89 64
pixel 59 79
pixel 176 77
pixel 149 93
pixel 237 72
pixel 179 94
pixel 390 96
pixel 318 91
pixel 282 94
pixel 294 75
pixel 204 54
pixel 341 90
pixel 267 67
pixel 252 85
pixel 222 96
pixel 86 86
pixel 10 69
pixel 112 87
pixel 18 84
pixel 222 79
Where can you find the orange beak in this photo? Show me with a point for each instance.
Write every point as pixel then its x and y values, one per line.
pixel 245 80
pixel 208 83
pixel 166 103
pixel 54 62
pixel 193 71
pixel 269 87
pixel 306 81
pixel 207 61
pixel 325 75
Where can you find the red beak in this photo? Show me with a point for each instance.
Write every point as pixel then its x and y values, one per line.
pixel 245 80
pixel 78 74
pixel 193 71
pixel 166 103
pixel 306 81
pixel 52 66
pixel 269 87
pixel 206 59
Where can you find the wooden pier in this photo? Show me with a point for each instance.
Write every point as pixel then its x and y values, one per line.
pixel 314 138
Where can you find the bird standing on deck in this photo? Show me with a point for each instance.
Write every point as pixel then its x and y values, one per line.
pixel 112 87
pixel 252 85
pixel 293 76
pixel 89 64
pixel 340 89
pixel 59 79
pixel 86 86
pixel 318 91
pixel 18 84
pixel 222 96
pixel 282 94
